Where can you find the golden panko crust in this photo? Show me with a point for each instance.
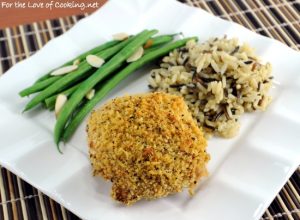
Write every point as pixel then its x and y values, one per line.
pixel 147 145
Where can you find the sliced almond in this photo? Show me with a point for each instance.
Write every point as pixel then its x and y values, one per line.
pixel 60 101
pixel 137 55
pixel 120 36
pixel 64 70
pixel 76 62
pixel 94 61
pixel 90 94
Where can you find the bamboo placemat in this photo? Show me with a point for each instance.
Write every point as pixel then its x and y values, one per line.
pixel 278 19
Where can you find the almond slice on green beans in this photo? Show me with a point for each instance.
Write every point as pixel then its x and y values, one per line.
pixel 90 94
pixel 61 99
pixel 64 70
pixel 137 55
pixel 120 36
pixel 94 61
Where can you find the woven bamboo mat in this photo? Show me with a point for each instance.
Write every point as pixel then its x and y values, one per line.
pixel 278 19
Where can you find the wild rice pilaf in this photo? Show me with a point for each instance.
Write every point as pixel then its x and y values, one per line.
pixel 219 80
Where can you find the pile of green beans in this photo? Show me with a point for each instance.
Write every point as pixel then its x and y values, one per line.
pixel 77 84
pixel 47 80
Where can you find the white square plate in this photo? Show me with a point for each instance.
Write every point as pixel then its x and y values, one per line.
pixel 245 172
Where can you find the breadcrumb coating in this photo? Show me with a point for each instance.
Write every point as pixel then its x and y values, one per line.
pixel 147 145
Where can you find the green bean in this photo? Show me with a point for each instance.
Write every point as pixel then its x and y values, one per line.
pixel 50 102
pixel 162 39
pixel 83 71
pixel 157 42
pixel 101 73
pixel 38 86
pixel 82 57
pixel 45 82
pixel 115 80
pixel 153 48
